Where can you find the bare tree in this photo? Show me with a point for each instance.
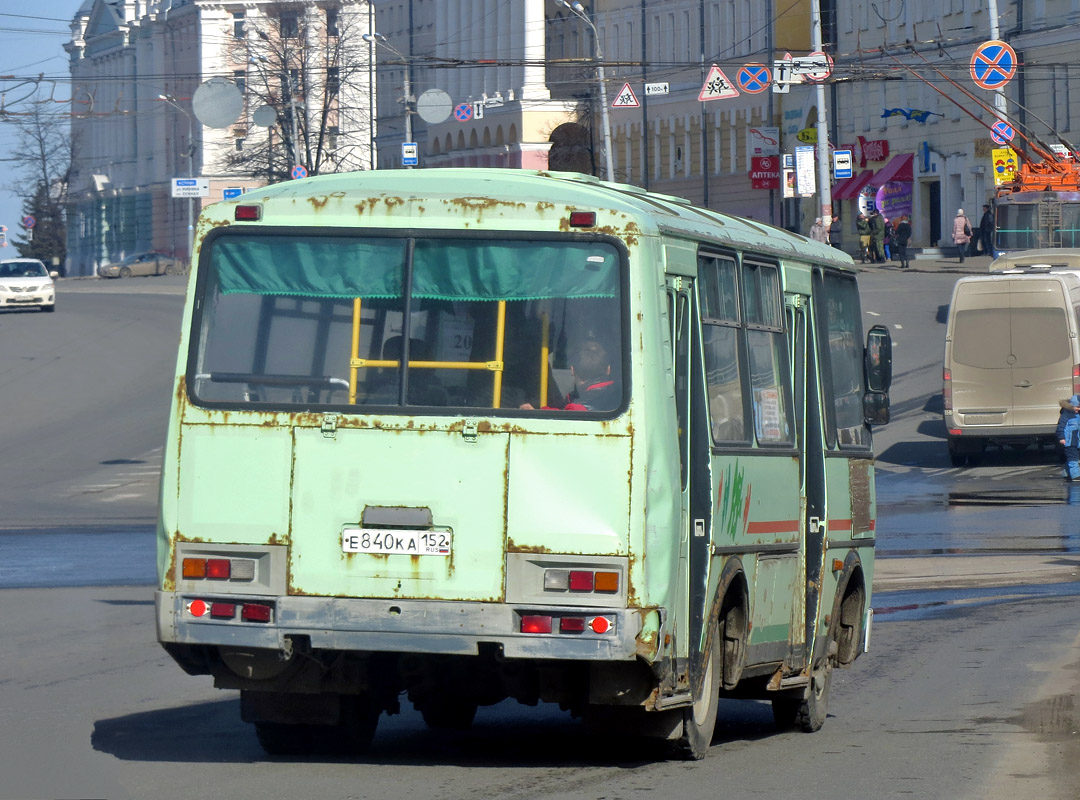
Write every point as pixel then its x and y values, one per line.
pixel 42 167
pixel 311 66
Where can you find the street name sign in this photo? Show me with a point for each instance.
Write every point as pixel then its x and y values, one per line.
pixel 190 187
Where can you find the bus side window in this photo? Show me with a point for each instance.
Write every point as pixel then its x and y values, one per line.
pixel 769 374
pixel 840 345
pixel 720 335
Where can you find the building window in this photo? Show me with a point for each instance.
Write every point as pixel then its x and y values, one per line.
pixel 332 133
pixel 332 22
pixel 290 25
pixel 238 25
pixel 333 81
pixel 240 79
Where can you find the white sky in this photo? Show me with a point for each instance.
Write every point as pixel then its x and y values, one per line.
pixel 32 37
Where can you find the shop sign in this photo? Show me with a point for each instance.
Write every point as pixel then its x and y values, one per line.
pixel 871 150
pixel 765 172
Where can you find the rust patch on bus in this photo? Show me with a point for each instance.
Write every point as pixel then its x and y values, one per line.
pixel 543 205
pixel 512 547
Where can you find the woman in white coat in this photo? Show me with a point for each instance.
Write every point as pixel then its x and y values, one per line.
pixel 961 233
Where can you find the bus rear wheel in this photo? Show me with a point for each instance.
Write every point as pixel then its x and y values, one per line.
pixel 352 735
pixel 809 712
pixel 449 714
pixel 699 719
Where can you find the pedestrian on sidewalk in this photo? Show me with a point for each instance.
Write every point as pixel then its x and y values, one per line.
pixel 1068 436
pixel 986 231
pixel 862 226
pixel 902 236
pixel 817 231
pixel 961 233
pixel 877 236
pixel 836 233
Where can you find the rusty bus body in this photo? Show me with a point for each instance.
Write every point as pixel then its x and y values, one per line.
pixel 475 434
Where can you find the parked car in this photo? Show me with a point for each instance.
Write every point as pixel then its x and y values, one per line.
pixel 26 282
pixel 141 264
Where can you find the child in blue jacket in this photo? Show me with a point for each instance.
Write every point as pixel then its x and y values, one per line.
pixel 1068 436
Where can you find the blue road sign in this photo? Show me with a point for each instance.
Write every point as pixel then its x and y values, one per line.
pixel 410 154
pixel 753 78
pixel 463 112
pixel 231 194
pixel 842 165
pixel 993 64
pixel 1002 132
pixel 29 222
pixel 299 171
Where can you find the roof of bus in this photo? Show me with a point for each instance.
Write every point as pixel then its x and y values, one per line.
pixel 512 193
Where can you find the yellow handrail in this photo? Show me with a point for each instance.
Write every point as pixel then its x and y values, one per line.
pixel 356 363
pixel 354 352
pixel 500 335
pixel 545 350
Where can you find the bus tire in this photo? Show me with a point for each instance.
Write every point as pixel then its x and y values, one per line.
pixel 699 719
pixel 449 714
pixel 351 736
pixel 809 712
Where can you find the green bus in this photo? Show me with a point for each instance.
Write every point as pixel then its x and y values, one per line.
pixel 471 434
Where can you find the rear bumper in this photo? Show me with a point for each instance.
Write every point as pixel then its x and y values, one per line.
pixel 405 626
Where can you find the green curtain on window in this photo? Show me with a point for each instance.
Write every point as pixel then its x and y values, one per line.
pixel 443 269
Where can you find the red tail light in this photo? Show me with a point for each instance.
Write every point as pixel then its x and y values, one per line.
pixel 255 612
pixel 535 624
pixel 582 219
pixel 223 610
pixel 581 581
pixel 218 568
pixel 946 388
pixel 248 213
pixel 572 625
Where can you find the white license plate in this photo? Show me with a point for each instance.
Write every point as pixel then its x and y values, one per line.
pixel 395 542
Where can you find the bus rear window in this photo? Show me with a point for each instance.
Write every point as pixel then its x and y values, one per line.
pixel 301 321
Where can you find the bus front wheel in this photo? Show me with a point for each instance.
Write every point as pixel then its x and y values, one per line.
pixel 699 719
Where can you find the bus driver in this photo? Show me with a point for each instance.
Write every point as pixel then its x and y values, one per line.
pixel 594 387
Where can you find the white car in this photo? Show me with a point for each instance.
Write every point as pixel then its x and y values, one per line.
pixel 25 282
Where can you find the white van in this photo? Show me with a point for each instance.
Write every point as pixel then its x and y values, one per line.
pixel 1011 354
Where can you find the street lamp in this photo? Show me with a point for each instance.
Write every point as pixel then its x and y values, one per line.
pixel 378 38
pixel 578 11
pixel 190 172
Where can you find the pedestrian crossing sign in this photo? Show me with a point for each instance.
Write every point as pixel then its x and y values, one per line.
pixel 625 98
pixel 717 86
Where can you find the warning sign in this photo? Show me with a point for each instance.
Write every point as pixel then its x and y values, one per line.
pixel 625 98
pixel 1004 161
pixel 717 86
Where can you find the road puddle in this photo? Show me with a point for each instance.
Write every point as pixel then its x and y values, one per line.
pixel 921 604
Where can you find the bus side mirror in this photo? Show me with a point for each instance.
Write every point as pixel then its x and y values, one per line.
pixel 877 373
pixel 877 359
pixel 875 408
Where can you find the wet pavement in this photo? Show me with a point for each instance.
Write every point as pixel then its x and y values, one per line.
pixel 124 556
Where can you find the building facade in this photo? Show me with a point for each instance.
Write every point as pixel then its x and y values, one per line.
pixel 136 66
pixel 907 101
pixel 530 64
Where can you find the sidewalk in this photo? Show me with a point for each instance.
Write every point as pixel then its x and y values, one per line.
pixel 973 265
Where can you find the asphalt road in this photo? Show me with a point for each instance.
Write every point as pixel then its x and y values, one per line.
pixel 967 692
